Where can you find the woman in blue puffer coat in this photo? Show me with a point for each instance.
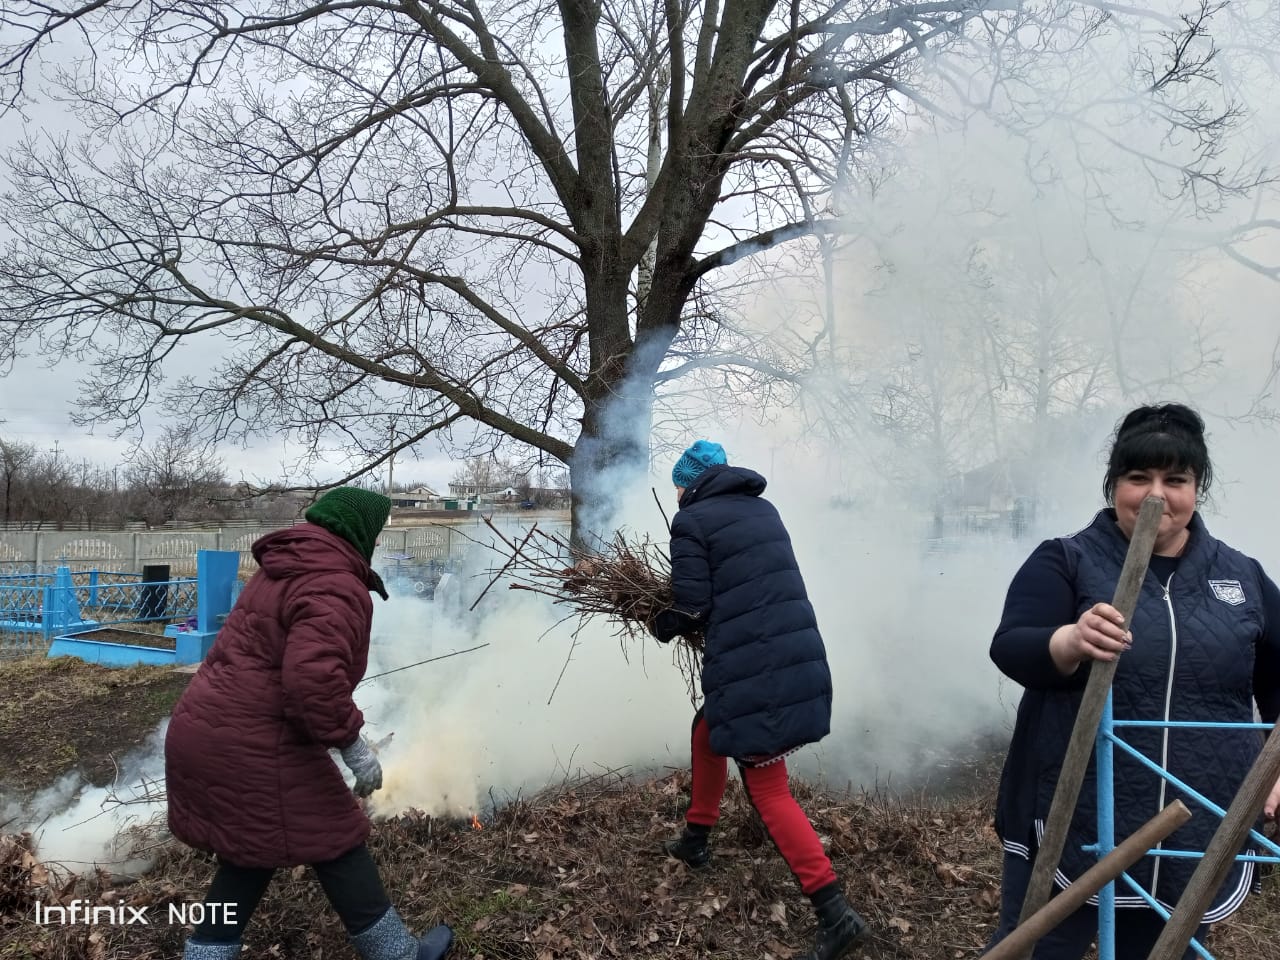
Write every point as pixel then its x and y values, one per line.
pixel 765 679
pixel 1203 646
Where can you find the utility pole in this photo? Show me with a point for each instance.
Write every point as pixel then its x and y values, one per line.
pixel 391 460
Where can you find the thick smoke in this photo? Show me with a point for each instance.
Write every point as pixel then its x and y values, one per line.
pixel 534 706
pixel 1005 296
pixel 606 465
pixel 77 827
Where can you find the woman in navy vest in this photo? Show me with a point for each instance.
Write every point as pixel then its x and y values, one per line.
pixel 765 679
pixel 1203 645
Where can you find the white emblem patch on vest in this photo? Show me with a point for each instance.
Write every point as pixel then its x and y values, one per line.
pixel 1228 591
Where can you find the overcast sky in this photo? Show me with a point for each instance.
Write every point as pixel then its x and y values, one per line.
pixel 36 404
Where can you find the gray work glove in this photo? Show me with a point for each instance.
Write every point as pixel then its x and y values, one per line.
pixel 363 762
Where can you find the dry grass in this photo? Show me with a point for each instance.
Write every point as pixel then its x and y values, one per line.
pixel 576 872
pixel 573 872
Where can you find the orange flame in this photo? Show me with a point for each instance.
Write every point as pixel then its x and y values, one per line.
pixel 475 823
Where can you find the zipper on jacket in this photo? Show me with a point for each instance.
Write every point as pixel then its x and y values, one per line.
pixel 1168 709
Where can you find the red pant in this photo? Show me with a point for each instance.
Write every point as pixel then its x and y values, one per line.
pixel 770 794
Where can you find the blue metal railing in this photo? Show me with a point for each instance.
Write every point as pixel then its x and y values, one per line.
pixel 35 608
pixel 1107 743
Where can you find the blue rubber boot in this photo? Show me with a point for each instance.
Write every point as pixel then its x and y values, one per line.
pixel 435 943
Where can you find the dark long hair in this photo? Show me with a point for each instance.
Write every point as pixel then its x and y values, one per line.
pixel 1165 437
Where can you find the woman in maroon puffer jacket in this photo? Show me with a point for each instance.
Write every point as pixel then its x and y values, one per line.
pixel 247 764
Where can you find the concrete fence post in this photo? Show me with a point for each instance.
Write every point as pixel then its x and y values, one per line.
pixel 39 550
pixel 133 553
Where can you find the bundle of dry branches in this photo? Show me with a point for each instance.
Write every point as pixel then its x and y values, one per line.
pixel 626 579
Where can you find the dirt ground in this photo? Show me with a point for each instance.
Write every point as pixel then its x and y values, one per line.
pixel 64 714
pixel 574 872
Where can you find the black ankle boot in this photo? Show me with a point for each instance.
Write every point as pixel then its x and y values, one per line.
pixel 839 926
pixel 692 846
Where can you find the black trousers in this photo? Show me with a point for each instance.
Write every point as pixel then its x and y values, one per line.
pixel 351 883
pixel 1137 929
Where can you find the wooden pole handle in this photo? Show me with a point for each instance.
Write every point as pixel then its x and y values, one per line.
pixel 1029 931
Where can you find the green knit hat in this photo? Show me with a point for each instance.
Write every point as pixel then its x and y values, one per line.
pixel 356 515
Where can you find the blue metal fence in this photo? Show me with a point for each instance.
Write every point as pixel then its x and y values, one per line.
pixel 1108 742
pixel 35 608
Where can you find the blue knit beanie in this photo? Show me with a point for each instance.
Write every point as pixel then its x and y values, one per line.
pixel 695 460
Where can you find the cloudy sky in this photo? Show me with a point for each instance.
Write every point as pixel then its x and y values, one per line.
pixel 37 402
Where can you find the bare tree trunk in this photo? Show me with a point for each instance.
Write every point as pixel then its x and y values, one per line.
pixel 604 461
pixel 613 448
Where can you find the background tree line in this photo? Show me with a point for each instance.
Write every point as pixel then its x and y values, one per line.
pixel 177 478
pixel 173 478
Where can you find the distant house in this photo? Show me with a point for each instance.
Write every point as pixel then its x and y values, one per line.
pixel 996 486
pixel 505 495
pixel 419 498
pixel 493 493
pixel 473 491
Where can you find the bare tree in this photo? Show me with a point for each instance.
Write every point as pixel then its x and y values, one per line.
pixel 489 473
pixel 14 459
pixel 47 488
pixel 176 473
pixel 448 212
pixel 49 494
pixel 478 472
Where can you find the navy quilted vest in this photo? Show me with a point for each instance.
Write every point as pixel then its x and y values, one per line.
pixel 1192 660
